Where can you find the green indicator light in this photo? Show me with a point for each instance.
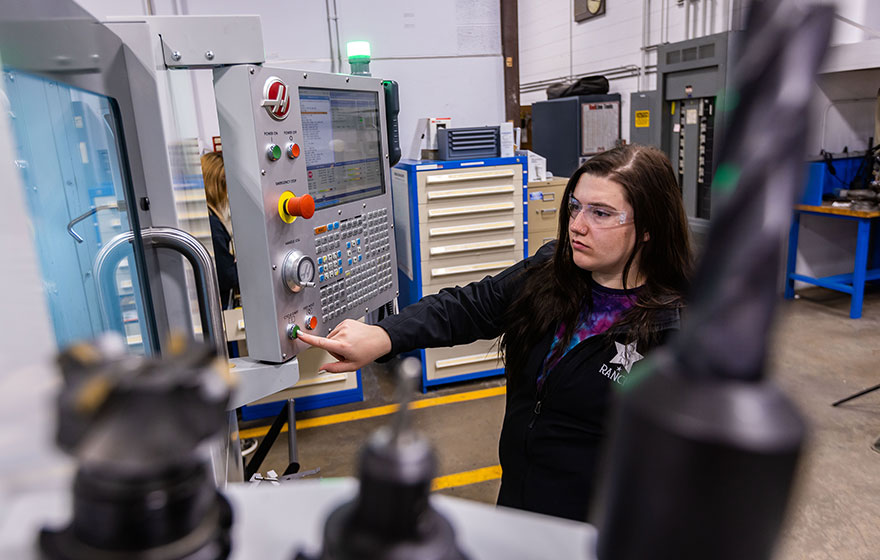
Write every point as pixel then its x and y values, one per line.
pixel 276 152
pixel 358 50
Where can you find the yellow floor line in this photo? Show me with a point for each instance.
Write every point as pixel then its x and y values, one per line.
pixel 378 411
pixel 465 478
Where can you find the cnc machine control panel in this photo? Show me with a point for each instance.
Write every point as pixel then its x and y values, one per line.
pixel 307 170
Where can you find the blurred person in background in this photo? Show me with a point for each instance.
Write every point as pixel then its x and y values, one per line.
pixel 218 214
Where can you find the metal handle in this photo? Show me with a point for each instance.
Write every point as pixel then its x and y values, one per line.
pixel 78 219
pixel 549 196
pixel 210 311
pixel 543 211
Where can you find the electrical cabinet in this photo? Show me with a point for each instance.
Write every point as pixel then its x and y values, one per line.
pixel 457 222
pixel 684 116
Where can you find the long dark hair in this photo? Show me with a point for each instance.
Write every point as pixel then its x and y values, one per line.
pixel 557 290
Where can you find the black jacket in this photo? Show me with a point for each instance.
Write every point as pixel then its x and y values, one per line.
pixel 224 261
pixel 550 442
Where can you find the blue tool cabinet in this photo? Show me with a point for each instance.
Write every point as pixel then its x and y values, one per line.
pixel 457 222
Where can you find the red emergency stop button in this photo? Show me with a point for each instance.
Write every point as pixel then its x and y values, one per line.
pixel 292 150
pixel 300 206
pixel 311 322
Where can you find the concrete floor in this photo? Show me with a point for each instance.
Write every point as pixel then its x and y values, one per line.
pixel 818 356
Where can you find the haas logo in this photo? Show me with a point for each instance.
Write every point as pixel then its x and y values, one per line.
pixel 276 98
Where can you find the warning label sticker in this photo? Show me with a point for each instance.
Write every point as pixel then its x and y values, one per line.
pixel 643 119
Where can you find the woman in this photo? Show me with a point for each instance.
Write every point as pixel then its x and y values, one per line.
pixel 214 174
pixel 573 320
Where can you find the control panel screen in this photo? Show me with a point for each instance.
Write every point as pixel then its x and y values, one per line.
pixel 343 146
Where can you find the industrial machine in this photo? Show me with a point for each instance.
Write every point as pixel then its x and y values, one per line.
pixel 683 117
pixel 568 130
pixel 307 165
pixel 122 164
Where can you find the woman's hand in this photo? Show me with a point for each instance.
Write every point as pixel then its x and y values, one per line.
pixel 353 343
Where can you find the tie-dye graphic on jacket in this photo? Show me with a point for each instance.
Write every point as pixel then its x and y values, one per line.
pixel 608 305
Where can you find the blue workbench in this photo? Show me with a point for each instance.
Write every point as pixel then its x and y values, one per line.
pixel 852 283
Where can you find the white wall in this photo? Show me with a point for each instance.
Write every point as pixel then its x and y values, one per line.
pixel 553 46
pixel 446 56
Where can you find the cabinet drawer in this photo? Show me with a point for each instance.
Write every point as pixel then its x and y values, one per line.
pixel 457 228
pixel 463 184
pixel 539 239
pixel 542 218
pixel 556 185
pixel 543 213
pixel 465 359
pixel 487 209
pixel 458 269
pixel 475 244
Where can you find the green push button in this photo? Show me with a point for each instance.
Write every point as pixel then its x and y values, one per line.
pixel 292 332
pixel 274 152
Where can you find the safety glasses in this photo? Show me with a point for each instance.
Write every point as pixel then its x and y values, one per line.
pixel 596 216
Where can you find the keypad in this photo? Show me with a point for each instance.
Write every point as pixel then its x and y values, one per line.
pixel 354 262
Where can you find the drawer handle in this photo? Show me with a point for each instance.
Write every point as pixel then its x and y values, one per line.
pixel 478 246
pixel 459 177
pixel 543 211
pixel 466 360
pixel 462 210
pixel 483 267
pixel 469 228
pixel 549 197
pixel 459 193
pixel 321 379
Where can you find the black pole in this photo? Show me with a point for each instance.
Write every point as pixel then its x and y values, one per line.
pixel 857 395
